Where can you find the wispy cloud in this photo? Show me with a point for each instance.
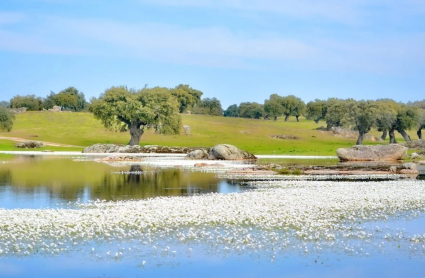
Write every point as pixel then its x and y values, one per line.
pixel 210 46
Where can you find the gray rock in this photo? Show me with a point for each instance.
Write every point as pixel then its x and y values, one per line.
pixel 416 144
pixel 29 145
pixel 197 154
pixel 187 129
pixel 55 109
pixel 166 149
pixel 415 156
pixel 111 148
pixel 229 152
pixel 372 153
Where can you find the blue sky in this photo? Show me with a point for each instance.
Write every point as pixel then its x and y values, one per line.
pixel 242 50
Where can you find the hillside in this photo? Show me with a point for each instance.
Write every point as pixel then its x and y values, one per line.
pixel 82 129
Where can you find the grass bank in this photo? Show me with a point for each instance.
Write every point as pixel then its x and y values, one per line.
pixel 82 129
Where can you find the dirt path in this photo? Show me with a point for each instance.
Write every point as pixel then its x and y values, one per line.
pixel 16 139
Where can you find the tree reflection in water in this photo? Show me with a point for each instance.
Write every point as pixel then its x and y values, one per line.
pixel 70 180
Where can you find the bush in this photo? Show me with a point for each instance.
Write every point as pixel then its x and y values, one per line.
pixel 6 119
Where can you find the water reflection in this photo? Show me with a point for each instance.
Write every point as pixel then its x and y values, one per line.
pixel 29 181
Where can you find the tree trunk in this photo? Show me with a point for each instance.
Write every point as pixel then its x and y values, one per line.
pixel 136 133
pixel 392 137
pixel 405 135
pixel 286 118
pixel 275 118
pixel 360 139
pixel 297 118
pixel 384 135
pixel 419 133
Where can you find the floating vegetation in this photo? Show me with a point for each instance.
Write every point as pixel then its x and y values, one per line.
pixel 280 215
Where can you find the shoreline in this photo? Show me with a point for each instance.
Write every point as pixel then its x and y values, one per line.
pixel 156 154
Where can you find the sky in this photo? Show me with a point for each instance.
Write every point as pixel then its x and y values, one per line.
pixel 234 50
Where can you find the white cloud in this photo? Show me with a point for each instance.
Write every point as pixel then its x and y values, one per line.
pixel 212 46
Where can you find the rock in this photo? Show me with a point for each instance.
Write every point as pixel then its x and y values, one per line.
pixel 415 156
pixel 29 145
pixel 18 110
pixel 112 148
pixel 290 137
pixel 186 129
pixel 208 165
pixel 417 144
pixel 120 158
pixel 372 153
pixel 343 132
pixel 404 169
pixel 56 109
pixel 165 149
pixel 229 152
pixel 197 154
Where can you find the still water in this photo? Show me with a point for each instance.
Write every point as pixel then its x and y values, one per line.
pixel 48 181
pixel 35 182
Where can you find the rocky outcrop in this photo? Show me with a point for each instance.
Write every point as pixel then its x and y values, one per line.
pixel 29 145
pixel 229 152
pixel 290 137
pixel 55 109
pixel 416 156
pixel 405 169
pixel 112 148
pixel 417 144
pixel 18 110
pixel 166 149
pixel 372 153
pixel 343 132
pixel 197 154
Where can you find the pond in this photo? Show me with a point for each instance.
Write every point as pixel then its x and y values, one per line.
pixel 49 181
pixel 82 217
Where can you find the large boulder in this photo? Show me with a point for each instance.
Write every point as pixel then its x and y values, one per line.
pixel 372 153
pixel 417 144
pixel 197 154
pixel 229 152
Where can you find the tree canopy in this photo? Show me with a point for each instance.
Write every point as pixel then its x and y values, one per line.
pixel 273 107
pixel 31 102
pixel 4 104
pixel 251 110
pixel 361 116
pixel 6 119
pixel 293 106
pixel 119 108
pixel 209 106
pixel 69 99
pixel 316 110
pixel 186 96
pixel 231 111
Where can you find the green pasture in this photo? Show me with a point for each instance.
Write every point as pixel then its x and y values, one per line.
pixel 82 129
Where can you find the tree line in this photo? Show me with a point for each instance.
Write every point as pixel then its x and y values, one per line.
pixel 385 115
pixel 134 110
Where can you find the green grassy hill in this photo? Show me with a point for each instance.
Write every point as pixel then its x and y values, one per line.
pixel 82 129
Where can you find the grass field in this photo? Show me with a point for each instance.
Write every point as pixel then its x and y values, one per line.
pixel 82 129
